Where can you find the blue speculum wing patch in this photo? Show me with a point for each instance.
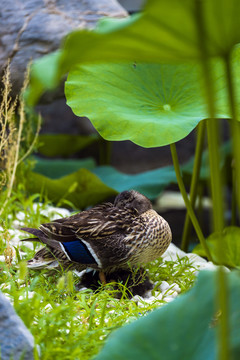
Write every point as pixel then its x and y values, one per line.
pixel 78 252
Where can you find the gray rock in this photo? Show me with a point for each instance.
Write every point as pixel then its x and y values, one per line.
pixel 16 342
pixel 32 28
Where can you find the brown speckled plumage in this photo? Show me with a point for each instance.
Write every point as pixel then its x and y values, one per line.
pixel 108 236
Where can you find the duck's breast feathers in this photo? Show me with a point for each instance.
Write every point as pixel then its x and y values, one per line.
pixel 157 228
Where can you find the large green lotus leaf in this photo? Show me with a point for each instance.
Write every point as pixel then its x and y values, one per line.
pixel 183 329
pixel 229 241
pixel 150 183
pixel 81 188
pixel 55 168
pixel 149 104
pixel 63 144
pixel 165 31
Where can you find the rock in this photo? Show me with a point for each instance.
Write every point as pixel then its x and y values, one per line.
pixel 32 28
pixel 16 342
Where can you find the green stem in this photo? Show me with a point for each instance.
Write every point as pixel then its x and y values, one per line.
pixel 212 124
pixel 213 147
pixel 105 152
pixel 199 209
pixel 235 125
pixel 194 182
pixel 108 152
pixel 215 178
pixel 187 202
pixel 216 181
pixel 234 195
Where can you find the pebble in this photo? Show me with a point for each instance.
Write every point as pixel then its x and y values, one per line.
pixel 20 215
pixel 83 289
pixel 164 286
pixel 148 294
pixel 168 299
pixel 173 253
pixel 136 298
pixel 29 295
pixel 176 287
pixel 48 307
pixel 159 296
pixel 173 294
pixel 52 212
pixel 17 223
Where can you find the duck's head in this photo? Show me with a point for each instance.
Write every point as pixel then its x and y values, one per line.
pixel 133 200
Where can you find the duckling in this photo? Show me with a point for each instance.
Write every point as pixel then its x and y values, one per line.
pixel 108 237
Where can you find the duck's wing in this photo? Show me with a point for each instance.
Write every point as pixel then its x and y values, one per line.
pixel 98 222
pixel 93 237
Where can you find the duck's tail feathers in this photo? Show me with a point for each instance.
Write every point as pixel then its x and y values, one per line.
pixel 42 264
pixel 43 239
pixel 31 239
pixel 43 259
pixel 36 232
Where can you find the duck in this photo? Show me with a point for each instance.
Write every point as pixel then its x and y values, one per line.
pixel 107 237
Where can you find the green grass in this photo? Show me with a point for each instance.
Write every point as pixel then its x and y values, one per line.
pixel 65 323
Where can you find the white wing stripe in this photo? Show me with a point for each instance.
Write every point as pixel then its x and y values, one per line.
pixel 96 258
pixel 63 249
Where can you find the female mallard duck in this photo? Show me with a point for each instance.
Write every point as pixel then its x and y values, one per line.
pixel 107 237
